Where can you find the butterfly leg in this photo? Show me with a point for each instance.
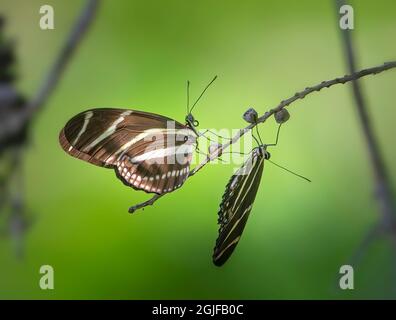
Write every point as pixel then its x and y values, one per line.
pixel 277 138
pixel 244 154
pixel 202 134
pixel 206 154
pixel 239 152
pixel 149 202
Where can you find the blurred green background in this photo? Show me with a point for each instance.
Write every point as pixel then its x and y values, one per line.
pixel 139 54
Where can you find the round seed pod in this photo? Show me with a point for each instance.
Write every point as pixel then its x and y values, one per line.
pixel 250 115
pixel 282 116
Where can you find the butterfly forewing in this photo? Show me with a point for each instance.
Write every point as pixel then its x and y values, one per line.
pixel 148 152
pixel 236 205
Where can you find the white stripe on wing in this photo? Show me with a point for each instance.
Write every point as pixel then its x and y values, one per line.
pixel 109 130
pixel 145 134
pixel 162 153
pixel 87 118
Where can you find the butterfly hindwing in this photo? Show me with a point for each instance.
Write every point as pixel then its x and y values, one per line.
pixel 152 177
pixel 136 144
pixel 236 205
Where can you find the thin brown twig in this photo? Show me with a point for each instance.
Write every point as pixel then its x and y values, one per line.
pixel 284 103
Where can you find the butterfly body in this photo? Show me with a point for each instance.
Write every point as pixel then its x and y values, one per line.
pixel 148 152
pixel 237 203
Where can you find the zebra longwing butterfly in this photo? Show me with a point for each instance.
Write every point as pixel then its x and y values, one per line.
pixel 237 203
pixel 149 152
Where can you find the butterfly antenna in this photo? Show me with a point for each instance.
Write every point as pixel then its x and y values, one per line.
pixel 203 93
pixel 296 174
pixel 188 97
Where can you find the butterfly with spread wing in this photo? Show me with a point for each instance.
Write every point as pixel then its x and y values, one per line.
pixel 148 152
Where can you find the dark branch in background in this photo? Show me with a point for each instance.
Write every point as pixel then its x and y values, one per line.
pixel 299 95
pixel 51 80
pixel 18 221
pixel 17 115
pixel 80 28
pixel 383 189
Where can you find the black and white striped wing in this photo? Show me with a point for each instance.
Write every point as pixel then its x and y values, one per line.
pixel 148 152
pixel 236 205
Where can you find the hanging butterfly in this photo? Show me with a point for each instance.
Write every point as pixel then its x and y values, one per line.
pixel 148 151
pixel 240 193
pixel 237 203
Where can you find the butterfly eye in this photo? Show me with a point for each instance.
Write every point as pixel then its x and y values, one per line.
pixel 153 138
pixel 196 123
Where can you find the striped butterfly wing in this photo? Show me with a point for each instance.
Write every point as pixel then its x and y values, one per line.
pixel 236 205
pixel 161 166
pixel 148 152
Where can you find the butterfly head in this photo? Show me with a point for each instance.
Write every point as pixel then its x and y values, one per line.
pixel 191 122
pixel 264 152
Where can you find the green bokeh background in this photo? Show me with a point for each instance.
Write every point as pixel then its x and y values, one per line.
pixel 139 54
